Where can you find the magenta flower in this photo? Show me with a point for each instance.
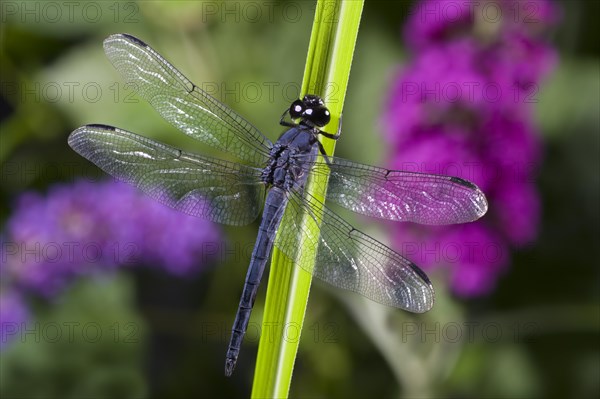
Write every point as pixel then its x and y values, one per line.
pixel 88 228
pixel 434 22
pixel 463 107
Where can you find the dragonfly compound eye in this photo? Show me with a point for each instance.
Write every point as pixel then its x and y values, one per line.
pixel 320 116
pixel 297 109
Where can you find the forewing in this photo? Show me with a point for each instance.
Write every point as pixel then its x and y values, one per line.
pixel 214 189
pixel 402 196
pixel 184 104
pixel 350 259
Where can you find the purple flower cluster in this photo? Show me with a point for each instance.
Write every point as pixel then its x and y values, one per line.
pixel 14 315
pixel 463 107
pixel 88 228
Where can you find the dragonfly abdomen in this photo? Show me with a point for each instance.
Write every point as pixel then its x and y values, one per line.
pixel 272 214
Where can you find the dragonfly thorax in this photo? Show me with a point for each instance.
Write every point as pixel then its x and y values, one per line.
pixel 290 158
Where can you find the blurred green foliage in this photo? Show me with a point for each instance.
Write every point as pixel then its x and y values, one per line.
pixel 89 345
pixel 550 296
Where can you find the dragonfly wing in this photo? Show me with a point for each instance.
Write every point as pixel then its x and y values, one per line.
pixel 184 104
pixel 350 259
pixel 214 189
pixel 402 196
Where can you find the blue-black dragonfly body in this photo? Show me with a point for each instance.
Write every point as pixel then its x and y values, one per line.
pixel 232 193
pixel 286 171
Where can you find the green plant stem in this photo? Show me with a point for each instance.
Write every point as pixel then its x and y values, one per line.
pixel 332 42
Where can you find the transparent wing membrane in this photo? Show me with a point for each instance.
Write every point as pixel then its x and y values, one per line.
pixel 300 225
pixel 214 189
pixel 184 104
pixel 347 258
pixel 232 193
pixel 401 196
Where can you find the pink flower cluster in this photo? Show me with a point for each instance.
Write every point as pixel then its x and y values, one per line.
pixel 84 229
pixel 463 107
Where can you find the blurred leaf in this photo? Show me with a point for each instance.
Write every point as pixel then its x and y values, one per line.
pixel 90 346
pixel 570 98
pixel 495 371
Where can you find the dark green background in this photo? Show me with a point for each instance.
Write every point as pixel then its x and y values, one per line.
pixel 546 307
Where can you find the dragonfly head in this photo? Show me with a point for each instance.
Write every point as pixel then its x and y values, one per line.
pixel 311 109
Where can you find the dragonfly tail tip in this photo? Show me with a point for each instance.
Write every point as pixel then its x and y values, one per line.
pixel 229 366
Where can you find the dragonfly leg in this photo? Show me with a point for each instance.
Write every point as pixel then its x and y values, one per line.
pixel 330 136
pixel 324 153
pixel 333 136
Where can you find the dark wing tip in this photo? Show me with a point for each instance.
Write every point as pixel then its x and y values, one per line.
pixel 421 274
pixel 464 182
pixel 127 37
pixel 75 136
pixel 477 196
pixel 426 280
pixel 134 39
pixel 100 126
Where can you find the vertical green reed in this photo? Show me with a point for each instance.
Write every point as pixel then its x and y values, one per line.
pixel 332 42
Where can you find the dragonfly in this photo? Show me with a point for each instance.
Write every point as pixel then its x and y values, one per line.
pixel 275 174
